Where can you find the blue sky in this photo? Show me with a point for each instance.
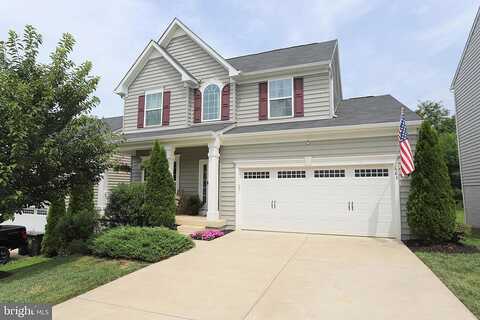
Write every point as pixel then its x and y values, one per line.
pixel 409 49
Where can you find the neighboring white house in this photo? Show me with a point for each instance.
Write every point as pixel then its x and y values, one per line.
pixel 266 139
pixel 466 89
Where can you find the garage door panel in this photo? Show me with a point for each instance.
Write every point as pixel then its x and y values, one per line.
pixel 318 201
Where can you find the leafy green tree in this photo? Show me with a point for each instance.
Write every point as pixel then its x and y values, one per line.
pixel 430 206
pixel 51 239
pixel 47 143
pixel 159 190
pixel 433 111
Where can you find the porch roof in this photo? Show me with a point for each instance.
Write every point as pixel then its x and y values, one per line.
pixel 150 135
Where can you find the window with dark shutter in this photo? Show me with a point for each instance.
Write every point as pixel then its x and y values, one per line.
pixel 141 111
pixel 226 102
pixel 263 101
pixel 298 96
pixel 166 108
pixel 197 106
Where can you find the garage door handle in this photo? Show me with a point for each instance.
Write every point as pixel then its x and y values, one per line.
pixel 348 205
pixel 352 205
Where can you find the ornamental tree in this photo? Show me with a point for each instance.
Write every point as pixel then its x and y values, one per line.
pixel 430 206
pixel 47 143
pixel 159 203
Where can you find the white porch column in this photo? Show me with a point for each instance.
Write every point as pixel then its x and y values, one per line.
pixel 213 159
pixel 170 151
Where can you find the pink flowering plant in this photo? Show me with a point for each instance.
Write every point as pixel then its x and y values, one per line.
pixel 207 235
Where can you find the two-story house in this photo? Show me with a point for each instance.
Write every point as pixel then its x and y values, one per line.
pixel 466 90
pixel 267 140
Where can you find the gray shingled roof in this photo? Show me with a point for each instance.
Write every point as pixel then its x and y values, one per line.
pixel 355 111
pixel 193 129
pixel 308 53
pixel 115 123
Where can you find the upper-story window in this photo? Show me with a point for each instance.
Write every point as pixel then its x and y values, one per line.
pixel 211 103
pixel 280 93
pixel 153 107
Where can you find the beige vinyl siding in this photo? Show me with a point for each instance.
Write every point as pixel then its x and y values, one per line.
pixel 114 177
pixel 189 158
pixel 467 102
pixel 199 63
pixel 316 97
pixel 157 73
pixel 329 148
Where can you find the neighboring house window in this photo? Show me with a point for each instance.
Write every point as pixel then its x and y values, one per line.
pixel 280 94
pixel 153 107
pixel 211 103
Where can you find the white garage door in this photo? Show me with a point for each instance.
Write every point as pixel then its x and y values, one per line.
pixel 342 200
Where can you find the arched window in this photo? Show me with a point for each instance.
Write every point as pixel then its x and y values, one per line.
pixel 211 103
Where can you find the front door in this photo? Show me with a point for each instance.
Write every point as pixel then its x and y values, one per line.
pixel 203 181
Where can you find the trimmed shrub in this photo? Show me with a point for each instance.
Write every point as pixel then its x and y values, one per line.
pixel 140 243
pixel 125 205
pixel 431 207
pixel 190 205
pixel 74 230
pixel 51 239
pixel 159 190
pixel 194 204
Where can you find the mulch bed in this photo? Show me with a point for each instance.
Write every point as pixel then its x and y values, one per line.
pixel 448 247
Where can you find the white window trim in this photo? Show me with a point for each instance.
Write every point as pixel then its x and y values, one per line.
pixel 202 89
pixel 146 93
pixel 279 98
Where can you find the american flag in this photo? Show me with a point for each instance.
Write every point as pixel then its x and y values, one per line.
pixel 406 156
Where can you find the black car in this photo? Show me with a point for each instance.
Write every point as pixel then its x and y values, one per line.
pixel 11 237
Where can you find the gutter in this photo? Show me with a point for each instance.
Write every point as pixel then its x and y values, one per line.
pixel 382 125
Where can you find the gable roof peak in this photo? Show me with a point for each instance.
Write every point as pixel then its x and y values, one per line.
pixel 142 60
pixel 175 25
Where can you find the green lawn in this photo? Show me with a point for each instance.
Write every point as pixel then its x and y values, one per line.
pixel 459 271
pixel 53 280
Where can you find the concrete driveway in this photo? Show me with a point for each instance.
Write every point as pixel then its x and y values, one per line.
pixel 261 275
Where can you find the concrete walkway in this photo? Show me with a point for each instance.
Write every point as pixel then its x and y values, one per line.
pixel 261 275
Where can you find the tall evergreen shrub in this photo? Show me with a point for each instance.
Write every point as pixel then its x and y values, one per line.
pixel 159 190
pixel 51 239
pixel 430 206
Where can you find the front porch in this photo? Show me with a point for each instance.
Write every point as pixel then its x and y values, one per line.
pixel 190 224
pixel 195 170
